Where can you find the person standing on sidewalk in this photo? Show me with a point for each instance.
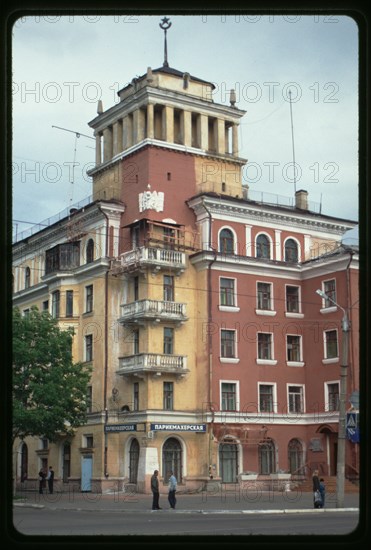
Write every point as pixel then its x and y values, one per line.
pixel 172 490
pixel 155 491
pixel 50 480
pixel 322 490
pixel 42 477
pixel 316 489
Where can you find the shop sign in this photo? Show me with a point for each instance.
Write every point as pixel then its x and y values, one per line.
pixel 120 428
pixel 198 428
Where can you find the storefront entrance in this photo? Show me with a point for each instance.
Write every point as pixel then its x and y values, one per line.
pixel 228 462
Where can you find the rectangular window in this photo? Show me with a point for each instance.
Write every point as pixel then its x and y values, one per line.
pixel 292 299
pixel 135 335
pixel 55 304
pixel 169 238
pixel 266 398
pixel 168 341
pixel 135 236
pixel 228 343
pixel 329 288
pixel 26 312
pixel 89 399
pixel 89 441
pixel 62 257
pixel 44 443
pixel 89 347
pixel 227 292
pixel 168 396
pixel 296 401
pixel 265 345
pixel 264 296
pixel 89 299
pixel 168 288
pixel 69 303
pixel 229 394
pixel 333 396
pixel 331 344
pixel 136 396
pixel 293 348
pixel 136 288
pixel 45 305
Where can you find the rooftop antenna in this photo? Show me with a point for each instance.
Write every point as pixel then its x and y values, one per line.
pixel 293 147
pixel 165 25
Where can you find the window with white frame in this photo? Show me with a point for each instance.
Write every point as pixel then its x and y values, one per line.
pixel 292 299
pixel 267 458
pixel 263 246
pixel 228 396
pixel 332 397
pixel 227 292
pixel 331 344
pixel 264 292
pixel 226 241
pixel 291 251
pixel 56 303
pixel 295 399
pixel 266 397
pixel 329 288
pixel 265 345
pixel 293 347
pixel 227 343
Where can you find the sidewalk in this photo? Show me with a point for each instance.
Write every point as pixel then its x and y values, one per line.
pixel 226 502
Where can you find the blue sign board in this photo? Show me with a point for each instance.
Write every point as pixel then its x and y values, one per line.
pixel 352 427
pixel 198 428
pixel 120 428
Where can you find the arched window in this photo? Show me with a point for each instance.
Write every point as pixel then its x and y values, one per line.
pixel 172 459
pixel 267 458
pixel 133 461
pixel 90 251
pixel 291 251
pixel 263 247
pixel 226 241
pixel 27 277
pixel 295 456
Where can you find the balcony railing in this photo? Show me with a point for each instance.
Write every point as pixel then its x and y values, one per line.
pixel 153 362
pixel 153 309
pixel 151 256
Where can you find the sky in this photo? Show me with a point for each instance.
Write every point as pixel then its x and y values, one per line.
pixel 62 66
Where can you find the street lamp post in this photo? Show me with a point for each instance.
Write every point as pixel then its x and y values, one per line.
pixel 340 468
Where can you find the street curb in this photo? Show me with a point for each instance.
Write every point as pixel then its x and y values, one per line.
pixel 195 511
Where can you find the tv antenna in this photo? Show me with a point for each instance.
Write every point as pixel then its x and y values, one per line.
pixel 293 146
pixel 77 136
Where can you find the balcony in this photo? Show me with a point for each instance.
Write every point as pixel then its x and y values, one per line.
pixel 153 310
pixel 157 258
pixel 153 363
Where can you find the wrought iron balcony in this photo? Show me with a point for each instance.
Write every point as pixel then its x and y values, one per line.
pixel 153 310
pixel 154 257
pixel 155 363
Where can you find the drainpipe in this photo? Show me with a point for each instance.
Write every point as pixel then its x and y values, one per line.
pixel 349 308
pixel 209 334
pixel 105 349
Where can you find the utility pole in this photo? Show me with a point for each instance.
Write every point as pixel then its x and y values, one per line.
pixel 340 466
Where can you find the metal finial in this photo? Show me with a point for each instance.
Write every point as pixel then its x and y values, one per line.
pixel 165 25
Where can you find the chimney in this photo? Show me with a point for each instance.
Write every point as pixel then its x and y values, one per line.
pixel 301 199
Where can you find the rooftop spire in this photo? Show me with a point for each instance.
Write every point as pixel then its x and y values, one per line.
pixel 165 25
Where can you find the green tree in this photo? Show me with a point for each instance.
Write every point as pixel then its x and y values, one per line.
pixel 49 389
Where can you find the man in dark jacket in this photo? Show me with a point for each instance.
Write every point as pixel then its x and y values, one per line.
pixel 155 491
pixel 317 501
pixel 50 480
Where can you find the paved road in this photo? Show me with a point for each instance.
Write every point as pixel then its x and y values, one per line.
pixel 45 521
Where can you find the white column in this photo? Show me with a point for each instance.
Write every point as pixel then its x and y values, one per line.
pixel 249 246
pixel 235 140
pixel 277 245
pixel 307 242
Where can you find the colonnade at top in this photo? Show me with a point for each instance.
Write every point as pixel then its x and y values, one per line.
pixel 169 124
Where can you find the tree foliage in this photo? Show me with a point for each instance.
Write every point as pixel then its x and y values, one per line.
pixel 49 389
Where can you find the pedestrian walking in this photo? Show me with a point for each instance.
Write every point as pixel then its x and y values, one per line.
pixel 172 490
pixel 42 477
pixel 322 490
pixel 316 490
pixel 155 491
pixel 50 480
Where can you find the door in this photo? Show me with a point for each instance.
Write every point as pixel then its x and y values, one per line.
pixel 86 473
pixel 228 462
pixel 133 461
pixel 172 459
